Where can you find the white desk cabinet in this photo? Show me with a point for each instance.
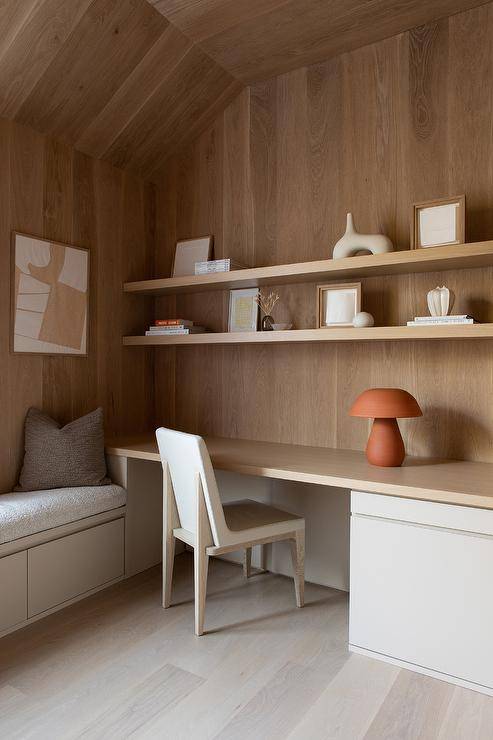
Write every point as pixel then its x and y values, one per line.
pixel 421 592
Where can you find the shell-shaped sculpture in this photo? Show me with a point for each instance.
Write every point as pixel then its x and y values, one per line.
pixel 440 301
pixel 352 242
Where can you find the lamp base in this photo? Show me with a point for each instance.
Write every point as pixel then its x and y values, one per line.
pixel 385 447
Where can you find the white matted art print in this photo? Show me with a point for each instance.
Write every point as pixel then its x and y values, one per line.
pixel 243 309
pixel 49 297
pixel 338 304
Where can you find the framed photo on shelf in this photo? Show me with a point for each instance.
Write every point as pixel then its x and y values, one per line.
pixel 188 252
pixel 49 297
pixel 337 305
pixel 243 310
pixel 437 223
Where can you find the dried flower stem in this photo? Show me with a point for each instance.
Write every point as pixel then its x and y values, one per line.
pixel 267 302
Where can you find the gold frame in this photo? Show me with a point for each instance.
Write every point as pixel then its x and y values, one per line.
pixel 460 220
pixel 336 286
pixel 13 307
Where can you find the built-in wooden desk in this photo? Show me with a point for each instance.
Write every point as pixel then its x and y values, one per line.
pixel 444 481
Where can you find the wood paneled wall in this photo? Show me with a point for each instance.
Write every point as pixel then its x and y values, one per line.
pixel 50 190
pixel 372 131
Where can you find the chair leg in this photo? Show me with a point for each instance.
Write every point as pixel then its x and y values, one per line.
pixel 201 566
pixel 298 556
pixel 168 562
pixel 247 562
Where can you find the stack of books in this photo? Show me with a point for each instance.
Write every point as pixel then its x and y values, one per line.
pixel 441 320
pixel 163 327
pixel 225 265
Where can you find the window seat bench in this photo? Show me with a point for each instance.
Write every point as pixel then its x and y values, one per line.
pixel 56 547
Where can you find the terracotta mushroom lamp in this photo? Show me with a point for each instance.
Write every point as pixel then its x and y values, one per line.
pixel 385 447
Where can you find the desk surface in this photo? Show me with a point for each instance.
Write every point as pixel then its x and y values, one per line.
pixel 446 481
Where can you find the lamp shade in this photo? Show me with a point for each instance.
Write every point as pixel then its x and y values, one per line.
pixel 385 403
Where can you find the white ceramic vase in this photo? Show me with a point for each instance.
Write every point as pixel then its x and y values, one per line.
pixel 352 242
pixel 440 301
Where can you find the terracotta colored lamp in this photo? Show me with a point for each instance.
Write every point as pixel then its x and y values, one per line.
pixel 385 405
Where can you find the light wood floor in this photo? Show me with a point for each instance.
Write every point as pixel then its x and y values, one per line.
pixel 116 665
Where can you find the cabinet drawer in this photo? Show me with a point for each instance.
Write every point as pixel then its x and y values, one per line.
pixel 68 567
pixel 13 590
pixel 423 595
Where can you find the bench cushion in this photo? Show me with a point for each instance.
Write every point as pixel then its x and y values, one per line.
pixel 23 514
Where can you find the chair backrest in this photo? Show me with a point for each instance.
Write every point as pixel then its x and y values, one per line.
pixel 187 455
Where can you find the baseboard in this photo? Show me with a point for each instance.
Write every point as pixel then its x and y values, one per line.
pixel 421 669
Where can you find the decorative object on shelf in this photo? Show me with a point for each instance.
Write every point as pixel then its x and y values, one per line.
pixel 438 223
pixel 363 319
pixel 282 327
pixel 223 265
pixel 385 447
pixel 352 242
pixel 243 309
pixel 440 301
pixel 266 304
pixel 49 297
pixel 337 305
pixel 188 252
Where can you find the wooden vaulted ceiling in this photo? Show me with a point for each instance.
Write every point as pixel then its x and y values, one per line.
pixel 130 81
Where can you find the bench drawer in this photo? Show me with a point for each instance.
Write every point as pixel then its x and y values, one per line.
pixel 70 566
pixel 13 590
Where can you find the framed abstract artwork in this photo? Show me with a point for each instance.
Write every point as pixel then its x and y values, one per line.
pixel 188 252
pixel 338 304
pixel 438 223
pixel 49 295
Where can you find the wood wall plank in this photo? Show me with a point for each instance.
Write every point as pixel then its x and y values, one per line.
pixel 48 189
pixel 372 131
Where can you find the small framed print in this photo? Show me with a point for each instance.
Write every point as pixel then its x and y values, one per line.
pixel 49 297
pixel 243 310
pixel 437 223
pixel 190 251
pixel 338 304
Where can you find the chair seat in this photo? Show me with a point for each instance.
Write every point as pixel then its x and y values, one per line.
pixel 247 514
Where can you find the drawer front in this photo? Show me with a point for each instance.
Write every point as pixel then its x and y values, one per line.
pixel 423 595
pixel 70 566
pixel 466 518
pixel 13 590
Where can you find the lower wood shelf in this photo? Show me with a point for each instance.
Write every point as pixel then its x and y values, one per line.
pixel 376 333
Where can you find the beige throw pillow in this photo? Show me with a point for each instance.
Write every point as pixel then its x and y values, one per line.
pixel 61 457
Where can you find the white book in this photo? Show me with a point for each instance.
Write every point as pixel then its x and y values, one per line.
pixel 440 323
pixel 442 319
pixel 155 329
pixel 171 332
pixel 223 265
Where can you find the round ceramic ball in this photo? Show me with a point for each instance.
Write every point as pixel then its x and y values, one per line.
pixel 363 319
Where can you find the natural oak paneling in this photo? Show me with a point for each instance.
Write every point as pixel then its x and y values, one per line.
pixel 49 189
pixel 256 39
pixel 371 131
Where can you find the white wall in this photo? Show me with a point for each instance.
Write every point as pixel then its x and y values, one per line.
pixel 326 511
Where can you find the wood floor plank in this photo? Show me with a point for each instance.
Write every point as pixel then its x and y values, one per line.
pixel 165 688
pixel 348 704
pixel 414 708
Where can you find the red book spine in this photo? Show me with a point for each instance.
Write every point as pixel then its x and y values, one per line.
pixel 170 322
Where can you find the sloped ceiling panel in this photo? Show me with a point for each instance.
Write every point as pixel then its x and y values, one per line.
pixel 113 78
pixel 257 39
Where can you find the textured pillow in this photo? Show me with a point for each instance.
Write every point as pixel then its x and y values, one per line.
pixel 61 457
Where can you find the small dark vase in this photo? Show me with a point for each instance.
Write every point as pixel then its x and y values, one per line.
pixel 267 322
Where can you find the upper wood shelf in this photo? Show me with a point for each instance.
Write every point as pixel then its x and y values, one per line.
pixel 376 333
pixel 478 254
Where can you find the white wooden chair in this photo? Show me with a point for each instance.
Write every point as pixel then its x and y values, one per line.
pixel 194 514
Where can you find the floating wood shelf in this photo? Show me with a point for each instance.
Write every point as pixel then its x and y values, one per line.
pixel 377 333
pixel 478 254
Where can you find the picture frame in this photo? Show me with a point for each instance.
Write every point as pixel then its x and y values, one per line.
pixel 49 297
pixel 337 304
pixel 438 223
pixel 190 251
pixel 243 310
